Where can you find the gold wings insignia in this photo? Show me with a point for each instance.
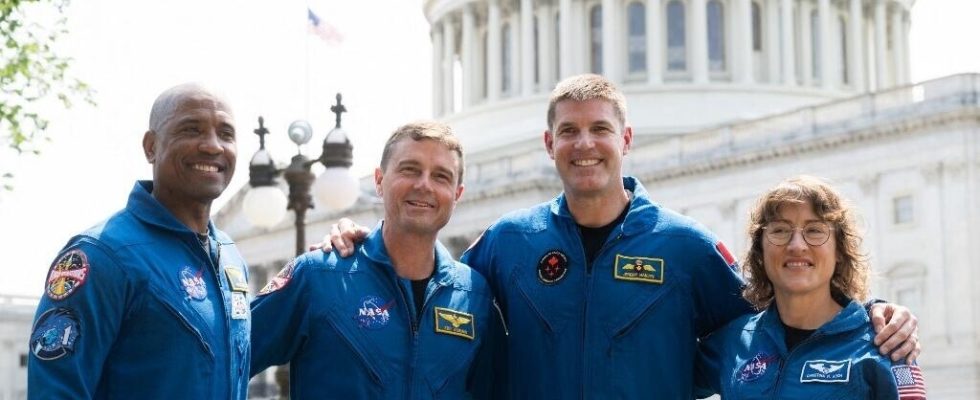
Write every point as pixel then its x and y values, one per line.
pixel 648 268
pixel 456 321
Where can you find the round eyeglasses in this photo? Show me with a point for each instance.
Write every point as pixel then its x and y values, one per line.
pixel 781 233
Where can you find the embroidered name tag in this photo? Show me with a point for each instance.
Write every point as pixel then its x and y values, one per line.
pixel 452 322
pixel 639 269
pixel 826 371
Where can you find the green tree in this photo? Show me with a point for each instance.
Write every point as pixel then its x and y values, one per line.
pixel 31 73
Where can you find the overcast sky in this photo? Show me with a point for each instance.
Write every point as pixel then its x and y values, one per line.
pixel 260 56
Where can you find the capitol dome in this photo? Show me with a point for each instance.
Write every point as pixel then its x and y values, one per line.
pixel 683 64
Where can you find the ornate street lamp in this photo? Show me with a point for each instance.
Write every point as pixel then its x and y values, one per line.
pixel 335 189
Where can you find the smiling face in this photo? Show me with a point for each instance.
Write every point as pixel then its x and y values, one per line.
pixel 419 184
pixel 587 141
pixel 798 268
pixel 192 146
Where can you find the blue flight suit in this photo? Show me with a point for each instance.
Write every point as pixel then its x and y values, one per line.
pixel 748 359
pixel 349 329
pixel 626 329
pixel 134 308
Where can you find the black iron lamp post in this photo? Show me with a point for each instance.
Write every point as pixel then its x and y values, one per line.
pixel 336 189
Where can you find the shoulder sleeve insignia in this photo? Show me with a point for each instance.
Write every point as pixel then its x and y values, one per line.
pixel 280 280
pixel 67 274
pixel 54 334
pixel 456 323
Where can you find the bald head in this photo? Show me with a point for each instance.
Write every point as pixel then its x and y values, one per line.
pixel 166 103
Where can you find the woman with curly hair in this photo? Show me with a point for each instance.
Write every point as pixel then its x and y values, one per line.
pixel 812 337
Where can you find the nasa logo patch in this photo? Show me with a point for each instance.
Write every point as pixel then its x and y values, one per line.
pixel 193 282
pixel 552 267
pixel 373 312
pixel 67 275
pixel 755 368
pixel 54 334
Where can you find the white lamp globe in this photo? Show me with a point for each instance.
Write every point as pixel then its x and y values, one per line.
pixel 264 206
pixel 336 189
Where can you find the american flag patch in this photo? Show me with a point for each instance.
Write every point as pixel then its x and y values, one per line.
pixel 910 383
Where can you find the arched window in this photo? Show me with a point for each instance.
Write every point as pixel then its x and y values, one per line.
pixel 815 44
pixel 637 41
pixel 676 37
pixel 716 36
pixel 595 39
pixel 842 28
pixel 506 80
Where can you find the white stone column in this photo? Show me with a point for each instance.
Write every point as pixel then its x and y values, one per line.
pixel 467 59
pixel 881 63
pixel 898 46
pixel 828 68
pixel 788 35
pixel 437 81
pixel 611 57
pixel 698 41
pixel 515 55
pixel 526 33
pixel 855 46
pixel 743 41
pixel 546 48
pixel 806 44
pixel 565 30
pixel 449 55
pixel 906 61
pixel 493 50
pixel 655 42
pixel 771 46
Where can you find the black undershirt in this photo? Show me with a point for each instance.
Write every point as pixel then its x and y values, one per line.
pixel 594 238
pixel 418 293
pixel 795 336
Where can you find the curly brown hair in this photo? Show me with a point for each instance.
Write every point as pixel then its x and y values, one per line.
pixel 850 277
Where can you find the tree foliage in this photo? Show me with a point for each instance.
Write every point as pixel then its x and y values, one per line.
pixel 31 71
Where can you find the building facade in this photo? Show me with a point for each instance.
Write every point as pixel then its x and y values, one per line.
pixel 16 316
pixel 726 98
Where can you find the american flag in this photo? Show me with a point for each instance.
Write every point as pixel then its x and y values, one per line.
pixel 323 29
pixel 911 386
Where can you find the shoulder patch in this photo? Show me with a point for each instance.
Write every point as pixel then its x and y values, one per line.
pixel 67 274
pixel 909 380
pixel 280 280
pixel 54 334
pixel 727 255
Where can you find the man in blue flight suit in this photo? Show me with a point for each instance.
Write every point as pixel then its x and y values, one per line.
pixel 605 293
pixel 151 303
pixel 400 319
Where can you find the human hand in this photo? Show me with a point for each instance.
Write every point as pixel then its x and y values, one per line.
pixel 897 331
pixel 343 235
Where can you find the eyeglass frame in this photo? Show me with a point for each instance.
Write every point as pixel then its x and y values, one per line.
pixel 830 229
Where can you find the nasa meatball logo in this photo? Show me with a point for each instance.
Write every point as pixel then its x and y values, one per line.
pixel 755 368
pixel 373 312
pixel 552 267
